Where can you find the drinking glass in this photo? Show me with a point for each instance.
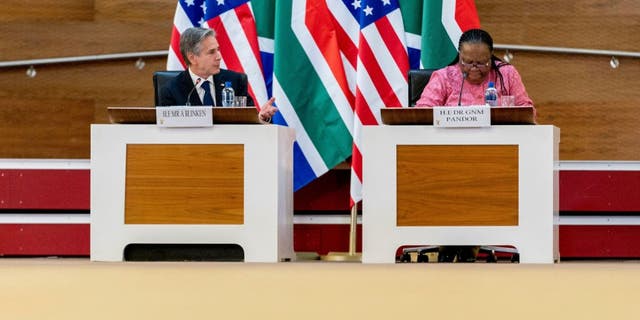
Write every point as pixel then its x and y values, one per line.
pixel 508 101
pixel 240 101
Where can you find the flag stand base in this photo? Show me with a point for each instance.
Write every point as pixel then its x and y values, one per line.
pixel 342 257
pixel 307 256
pixel 352 255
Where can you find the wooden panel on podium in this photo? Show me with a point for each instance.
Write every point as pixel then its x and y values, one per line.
pixel 457 185
pixel 184 184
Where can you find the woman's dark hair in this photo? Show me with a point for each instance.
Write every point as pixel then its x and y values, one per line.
pixel 480 36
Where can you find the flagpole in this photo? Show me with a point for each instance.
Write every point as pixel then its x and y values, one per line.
pixel 352 255
pixel 353 232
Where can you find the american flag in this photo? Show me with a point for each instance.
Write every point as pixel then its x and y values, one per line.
pixel 235 27
pixel 338 63
pixel 381 65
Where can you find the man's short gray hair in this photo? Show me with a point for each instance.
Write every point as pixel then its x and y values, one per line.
pixel 191 40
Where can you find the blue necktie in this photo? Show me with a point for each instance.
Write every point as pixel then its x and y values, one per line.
pixel 208 100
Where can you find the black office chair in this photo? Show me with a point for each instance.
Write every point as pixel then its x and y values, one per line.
pixel 418 79
pixel 160 78
pixel 491 252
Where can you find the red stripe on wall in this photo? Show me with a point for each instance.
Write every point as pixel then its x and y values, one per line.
pixel 325 238
pixel 329 192
pixel 44 189
pixel 599 241
pixel 597 191
pixel 44 239
pixel 73 240
pixel 610 191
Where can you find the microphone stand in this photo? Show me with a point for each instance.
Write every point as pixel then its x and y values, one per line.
pixel 464 77
pixel 188 103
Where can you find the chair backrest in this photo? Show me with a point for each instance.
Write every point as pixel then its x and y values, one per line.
pixel 160 78
pixel 418 79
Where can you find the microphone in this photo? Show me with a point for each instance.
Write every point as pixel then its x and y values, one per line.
pixel 188 103
pixel 464 77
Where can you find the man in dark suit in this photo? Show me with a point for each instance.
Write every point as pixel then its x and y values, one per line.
pixel 201 53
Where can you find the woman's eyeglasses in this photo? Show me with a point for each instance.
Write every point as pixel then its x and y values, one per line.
pixel 482 66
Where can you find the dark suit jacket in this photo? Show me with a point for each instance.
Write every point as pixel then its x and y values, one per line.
pixel 176 91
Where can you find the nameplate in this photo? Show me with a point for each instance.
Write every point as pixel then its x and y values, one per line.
pixel 462 117
pixel 183 116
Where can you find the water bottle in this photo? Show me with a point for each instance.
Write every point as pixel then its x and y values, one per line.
pixel 227 95
pixel 491 95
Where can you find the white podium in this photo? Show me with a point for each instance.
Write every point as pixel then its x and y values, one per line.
pixel 460 186
pixel 229 184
